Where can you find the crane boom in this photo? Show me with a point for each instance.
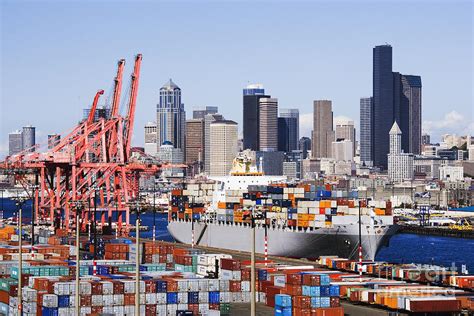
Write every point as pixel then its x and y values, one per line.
pixel 117 88
pixel 132 105
pixel 90 118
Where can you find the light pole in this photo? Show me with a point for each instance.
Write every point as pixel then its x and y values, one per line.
pixel 154 210
pixel 137 207
pixel 78 206
pixel 33 216
pixel 19 203
pixel 94 261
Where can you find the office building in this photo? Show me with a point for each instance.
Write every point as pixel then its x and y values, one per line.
pixel 15 142
pixel 290 139
pixel 171 116
pixel 408 111
pixel 194 141
pixel 208 119
pixel 451 173
pixel 400 164
pixel 270 162
pixel 223 146
pixel 168 153
pixel 425 139
pixel 366 131
pixel 53 140
pixel 343 150
pixel 345 130
pixel 151 141
pixel 304 146
pixel 293 163
pixel 29 138
pixel 201 112
pixel 268 124
pixel 251 96
pixel 383 104
pixel 323 133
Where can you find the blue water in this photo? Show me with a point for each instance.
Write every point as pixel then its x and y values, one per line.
pixel 403 248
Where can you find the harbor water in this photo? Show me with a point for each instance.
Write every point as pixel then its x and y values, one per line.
pixel 403 248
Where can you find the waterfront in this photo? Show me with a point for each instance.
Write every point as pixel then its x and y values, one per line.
pixel 403 248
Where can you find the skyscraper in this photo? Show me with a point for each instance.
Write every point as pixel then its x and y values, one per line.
pixel 201 112
pixel 15 142
pixel 383 105
pixel 425 139
pixel 29 138
pixel 323 133
pixel 366 131
pixel 410 113
pixel 151 136
pixel 288 124
pixel 345 131
pixel 400 164
pixel 223 147
pixel 208 119
pixel 304 146
pixel 171 116
pixel 252 95
pixel 194 141
pixel 268 124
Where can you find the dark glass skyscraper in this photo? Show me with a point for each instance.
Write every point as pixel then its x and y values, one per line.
pixel 383 106
pixel 251 114
pixel 410 113
pixel 292 119
pixel 366 131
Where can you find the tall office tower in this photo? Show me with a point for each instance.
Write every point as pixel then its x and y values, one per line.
pixel 400 164
pixel 53 140
pixel 223 146
pixel 201 112
pixel 15 142
pixel 345 131
pixel 383 103
pixel 29 138
pixel 171 116
pixel 252 95
pixel 366 131
pixel 208 119
pixel 304 146
pixel 425 139
pixel 151 139
pixel 268 124
pixel 195 141
pixel 292 118
pixel 323 133
pixel 410 112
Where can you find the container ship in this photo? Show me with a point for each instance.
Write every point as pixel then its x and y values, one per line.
pixel 300 220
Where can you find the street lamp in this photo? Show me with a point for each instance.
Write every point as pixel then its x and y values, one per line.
pixel 20 200
pixel 34 188
pixel 94 263
pixel 137 207
pixel 154 210
pixel 77 205
pixel 252 216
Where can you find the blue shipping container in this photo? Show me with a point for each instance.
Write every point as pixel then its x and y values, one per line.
pixel 49 311
pixel 283 311
pixel 315 302
pixel 334 290
pixel 324 290
pixel 63 300
pixel 171 298
pixel 214 297
pixel 283 300
pixel 193 297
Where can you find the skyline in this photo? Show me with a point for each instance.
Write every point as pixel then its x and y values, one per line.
pixel 282 56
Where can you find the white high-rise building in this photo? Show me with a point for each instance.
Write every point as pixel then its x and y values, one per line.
pixel 400 164
pixel 343 150
pixel 268 124
pixel 451 173
pixel 151 145
pixel 223 147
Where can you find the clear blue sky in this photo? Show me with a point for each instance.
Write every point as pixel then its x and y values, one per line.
pixel 56 54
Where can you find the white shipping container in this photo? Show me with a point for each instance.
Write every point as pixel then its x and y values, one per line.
pixel 29 294
pixel 96 300
pixel 203 297
pixel 203 309
pixel 193 285
pixel 182 297
pixel 182 285
pixel 214 285
pixel 107 287
pixel 108 300
pixel 50 300
pixel 245 286
pixel 160 298
pixel 119 299
pixel 224 297
pixel 171 309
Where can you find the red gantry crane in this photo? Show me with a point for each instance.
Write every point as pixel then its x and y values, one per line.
pixel 93 163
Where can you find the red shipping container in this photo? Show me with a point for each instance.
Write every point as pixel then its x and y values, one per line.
pixel 301 312
pixel 235 286
pixel 426 306
pixel 332 311
pixel 302 302
pixel 293 278
pixel 293 290
pixel 230 264
pixel 86 300
pixel 311 279
pixel 150 310
pixel 335 301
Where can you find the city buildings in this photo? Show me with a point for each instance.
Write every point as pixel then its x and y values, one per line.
pixel 451 173
pixel 383 111
pixel 15 142
pixel 345 131
pixel 400 164
pixel 151 142
pixel 268 124
pixel 270 162
pixel 29 138
pixel 288 129
pixel 208 119
pixel 305 146
pixel 171 117
pixel 168 153
pixel 425 139
pixel 195 142
pixel 323 133
pixel 201 112
pixel 366 132
pixel 251 133
pixel 343 150
pixel 223 146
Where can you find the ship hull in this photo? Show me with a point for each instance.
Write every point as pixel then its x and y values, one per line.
pixel 341 241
